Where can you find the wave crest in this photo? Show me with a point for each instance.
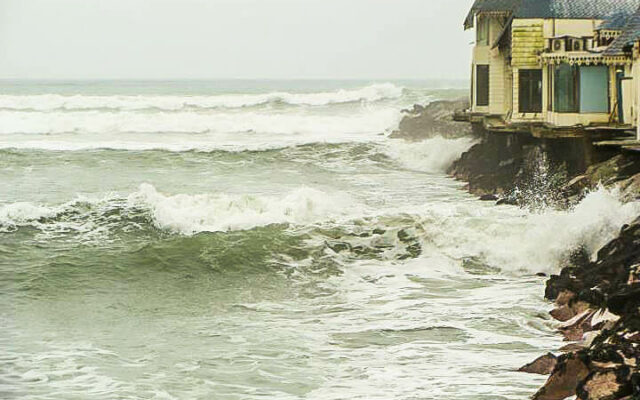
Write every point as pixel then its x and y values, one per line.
pixel 56 102
pixel 431 155
pixel 189 214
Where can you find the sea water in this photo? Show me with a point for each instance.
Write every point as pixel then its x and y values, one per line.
pixel 262 239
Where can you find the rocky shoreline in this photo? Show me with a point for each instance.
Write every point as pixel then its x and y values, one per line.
pixel 596 302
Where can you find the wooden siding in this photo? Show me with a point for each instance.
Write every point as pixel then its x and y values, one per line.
pixel 528 42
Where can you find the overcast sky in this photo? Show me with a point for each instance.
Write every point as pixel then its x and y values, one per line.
pixel 209 39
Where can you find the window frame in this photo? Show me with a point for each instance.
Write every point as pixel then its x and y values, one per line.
pixel 483 30
pixel 557 101
pixel 530 93
pixel 483 76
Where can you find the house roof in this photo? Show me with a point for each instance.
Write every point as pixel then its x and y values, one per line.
pixel 576 9
pixel 611 10
pixel 615 22
pixel 488 6
pixel 630 34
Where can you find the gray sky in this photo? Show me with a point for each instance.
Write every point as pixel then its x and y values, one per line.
pixel 200 39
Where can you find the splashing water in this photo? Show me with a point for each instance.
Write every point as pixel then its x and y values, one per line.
pixel 290 251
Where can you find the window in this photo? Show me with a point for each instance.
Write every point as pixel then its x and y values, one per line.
pixel 594 89
pixel 482 32
pixel 530 96
pixel 550 88
pixel 482 85
pixel 567 83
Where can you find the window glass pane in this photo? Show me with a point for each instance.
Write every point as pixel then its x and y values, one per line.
pixel 483 31
pixel 566 88
pixel 530 90
pixel 482 85
pixel 594 89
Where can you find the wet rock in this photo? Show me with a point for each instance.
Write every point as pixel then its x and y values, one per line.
pixel 506 201
pixel 577 185
pixel 605 385
pixel 564 379
pixel 572 347
pixel 435 119
pixel 488 197
pixel 543 365
pixel 575 328
pixel 491 166
pixel 616 169
pixel 604 297
pixel 564 297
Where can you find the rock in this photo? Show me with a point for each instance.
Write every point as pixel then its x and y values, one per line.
pixel 574 329
pixel 626 300
pixel 562 314
pixel 505 201
pixel 572 347
pixel 604 297
pixel 577 185
pixel 565 297
pixel 488 197
pixel 564 379
pixel 605 385
pixel 435 119
pixel 618 168
pixel 543 365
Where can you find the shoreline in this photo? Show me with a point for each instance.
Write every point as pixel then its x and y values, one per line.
pixel 596 302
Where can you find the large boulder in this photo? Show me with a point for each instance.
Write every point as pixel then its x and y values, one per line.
pixel 435 119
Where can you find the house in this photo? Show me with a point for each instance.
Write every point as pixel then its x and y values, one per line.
pixel 627 43
pixel 549 66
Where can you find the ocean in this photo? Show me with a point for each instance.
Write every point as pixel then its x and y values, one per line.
pixel 263 240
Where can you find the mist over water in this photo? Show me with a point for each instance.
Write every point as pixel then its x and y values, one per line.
pixel 241 243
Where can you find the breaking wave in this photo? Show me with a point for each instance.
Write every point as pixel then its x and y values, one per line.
pixel 189 214
pixel 82 124
pixel 56 102
pixel 512 239
pixel 505 238
pixel 431 155
pixel 182 213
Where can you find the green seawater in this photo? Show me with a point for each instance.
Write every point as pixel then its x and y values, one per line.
pixel 256 240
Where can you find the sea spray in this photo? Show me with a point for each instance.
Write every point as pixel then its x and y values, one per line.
pixel 539 184
pixel 188 214
pixel 517 240
pixel 433 155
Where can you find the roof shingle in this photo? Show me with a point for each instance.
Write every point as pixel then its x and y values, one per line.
pixel 613 10
pixel 630 34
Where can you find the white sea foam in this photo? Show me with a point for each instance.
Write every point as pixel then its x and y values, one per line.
pixel 51 102
pixel 513 239
pixel 431 155
pixel 24 213
pixel 189 214
pixel 188 130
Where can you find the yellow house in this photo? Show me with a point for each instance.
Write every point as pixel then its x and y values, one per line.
pixel 627 44
pixel 543 63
